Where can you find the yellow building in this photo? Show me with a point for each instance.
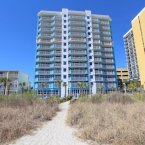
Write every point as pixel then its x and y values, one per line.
pixel 138 27
pixel 122 73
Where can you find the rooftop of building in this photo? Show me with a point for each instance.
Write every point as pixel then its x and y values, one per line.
pixel 44 12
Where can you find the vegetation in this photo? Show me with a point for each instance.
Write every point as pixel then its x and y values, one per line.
pixel 19 115
pixel 116 119
pixel 59 82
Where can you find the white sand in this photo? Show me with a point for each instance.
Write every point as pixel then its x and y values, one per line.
pixel 55 132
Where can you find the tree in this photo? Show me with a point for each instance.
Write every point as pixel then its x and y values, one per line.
pixel 22 86
pixel 112 88
pixel 133 86
pixel 43 85
pixel 65 85
pixel 120 84
pixel 100 89
pixel 81 86
pixel 5 82
pixel 59 82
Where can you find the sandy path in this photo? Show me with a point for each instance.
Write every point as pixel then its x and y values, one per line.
pixel 55 132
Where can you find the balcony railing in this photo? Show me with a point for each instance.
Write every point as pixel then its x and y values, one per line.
pixel 78 65
pixel 77 29
pixel 78 52
pixel 77 39
pixel 77 34
pixel 77 23
pixel 78 79
pixel 78 72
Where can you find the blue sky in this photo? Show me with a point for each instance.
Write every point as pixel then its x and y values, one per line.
pixel 18 25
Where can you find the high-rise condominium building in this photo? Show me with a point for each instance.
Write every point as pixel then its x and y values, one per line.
pixel 138 29
pixel 74 46
pixel 15 78
pixel 131 55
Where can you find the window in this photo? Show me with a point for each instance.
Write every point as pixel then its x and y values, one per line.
pixel 64 69
pixel 89 33
pixel 91 70
pixel 64 21
pixel 89 39
pixel 91 76
pixel 90 63
pixel 64 50
pixel 64 56
pixel 64 76
pixel 64 26
pixel 64 32
pixel 64 44
pixel 64 38
pixel 88 23
pixel 90 45
pixel 90 51
pixel 64 63
pixel 90 57
pixel 91 83
pixel 88 17
pixel 89 28
pixel 65 15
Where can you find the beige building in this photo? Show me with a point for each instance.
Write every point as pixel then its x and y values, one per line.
pixel 122 73
pixel 138 29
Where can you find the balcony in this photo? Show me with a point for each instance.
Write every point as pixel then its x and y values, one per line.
pixel 44 35
pixel 78 72
pixel 77 17
pixel 43 41
pixel 106 33
pixel 78 65
pixel 77 34
pixel 105 28
pixel 78 40
pixel 97 79
pixel 98 60
pixel 77 23
pixel 78 79
pixel 107 55
pixel 95 21
pixel 109 44
pixel 110 79
pixel 48 59
pixel 97 48
pixel 98 72
pixel 107 49
pixel 82 29
pixel 98 54
pixel 9 75
pixel 96 37
pixel 59 29
pixel 98 66
pixel 97 42
pixel 56 23
pixel 77 46
pixel 73 52
pixel 78 59
pixel 42 30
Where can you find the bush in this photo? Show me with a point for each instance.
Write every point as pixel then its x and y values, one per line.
pixel 116 119
pixel 18 116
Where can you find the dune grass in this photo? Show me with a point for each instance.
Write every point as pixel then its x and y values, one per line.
pixel 19 115
pixel 115 119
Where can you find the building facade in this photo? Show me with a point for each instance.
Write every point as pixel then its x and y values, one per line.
pixel 138 29
pixel 15 77
pixel 131 56
pixel 74 46
pixel 122 74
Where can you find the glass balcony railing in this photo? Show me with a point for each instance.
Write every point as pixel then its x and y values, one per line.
pixel 77 46
pixel 78 72
pixel 77 23
pixel 78 79
pixel 77 39
pixel 77 34
pixel 78 52
pixel 78 65
pixel 76 29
